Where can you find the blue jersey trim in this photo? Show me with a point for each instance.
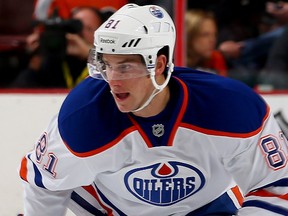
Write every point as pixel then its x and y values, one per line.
pixel 221 104
pixel 84 125
pixel 223 205
pixel 38 176
pixel 85 205
pixel 280 183
pixel 103 197
pixel 267 206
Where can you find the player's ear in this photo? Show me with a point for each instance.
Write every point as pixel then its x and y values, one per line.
pixel 161 63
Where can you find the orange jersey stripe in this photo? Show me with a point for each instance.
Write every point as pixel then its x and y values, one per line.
pixel 23 169
pixel 264 193
pixel 90 189
pixel 238 195
pixel 181 112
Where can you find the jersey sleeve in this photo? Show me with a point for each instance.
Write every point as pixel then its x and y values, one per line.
pixel 50 203
pixel 50 172
pixel 259 166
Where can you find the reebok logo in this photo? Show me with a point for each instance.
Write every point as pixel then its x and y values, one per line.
pixel 107 41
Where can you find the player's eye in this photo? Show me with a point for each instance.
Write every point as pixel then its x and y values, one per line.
pixel 124 68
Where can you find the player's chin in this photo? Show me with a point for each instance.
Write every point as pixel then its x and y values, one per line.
pixel 122 108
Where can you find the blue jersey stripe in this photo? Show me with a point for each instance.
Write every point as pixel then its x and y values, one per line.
pixel 223 205
pixel 38 176
pixel 85 205
pixel 267 206
pixel 109 203
pixel 280 183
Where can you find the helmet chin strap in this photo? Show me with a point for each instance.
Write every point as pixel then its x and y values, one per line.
pixel 154 93
pixel 158 88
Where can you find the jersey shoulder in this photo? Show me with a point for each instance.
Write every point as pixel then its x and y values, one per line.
pixel 86 120
pixel 222 104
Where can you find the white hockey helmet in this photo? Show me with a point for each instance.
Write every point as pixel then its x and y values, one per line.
pixel 136 29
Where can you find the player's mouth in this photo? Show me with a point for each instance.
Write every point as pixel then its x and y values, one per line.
pixel 120 96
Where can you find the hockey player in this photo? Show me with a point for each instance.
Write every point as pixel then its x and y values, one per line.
pixel 140 137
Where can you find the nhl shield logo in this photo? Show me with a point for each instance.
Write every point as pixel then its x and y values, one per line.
pixel 158 130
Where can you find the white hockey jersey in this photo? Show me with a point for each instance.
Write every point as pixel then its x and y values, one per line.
pixel 215 141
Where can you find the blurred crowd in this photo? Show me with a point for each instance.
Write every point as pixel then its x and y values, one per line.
pixel 249 37
pixel 241 39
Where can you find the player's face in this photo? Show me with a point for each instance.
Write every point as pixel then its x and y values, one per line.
pixel 129 94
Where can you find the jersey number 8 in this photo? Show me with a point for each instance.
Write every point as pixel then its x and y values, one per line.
pixel 275 156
